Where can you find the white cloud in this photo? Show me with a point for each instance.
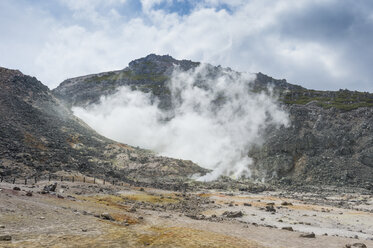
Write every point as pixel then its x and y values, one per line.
pixel 100 37
pixel 90 4
pixel 149 4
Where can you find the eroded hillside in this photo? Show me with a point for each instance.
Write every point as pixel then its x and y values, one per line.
pixel 39 135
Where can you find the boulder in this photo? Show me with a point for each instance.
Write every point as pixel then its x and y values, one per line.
pixel 5 238
pixel 308 235
pixel 50 187
pixel 356 245
pixel 106 216
pixel 270 208
pixel 287 228
pixel 233 214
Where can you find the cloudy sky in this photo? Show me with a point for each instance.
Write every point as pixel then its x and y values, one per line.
pixel 320 44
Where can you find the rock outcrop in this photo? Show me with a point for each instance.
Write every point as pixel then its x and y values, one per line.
pixel 322 146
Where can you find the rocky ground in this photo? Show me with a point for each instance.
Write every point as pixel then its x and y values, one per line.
pixel 156 204
pixel 76 214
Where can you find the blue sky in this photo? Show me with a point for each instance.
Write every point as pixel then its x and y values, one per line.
pixel 320 44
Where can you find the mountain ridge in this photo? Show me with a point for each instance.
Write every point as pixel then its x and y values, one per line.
pixel 157 69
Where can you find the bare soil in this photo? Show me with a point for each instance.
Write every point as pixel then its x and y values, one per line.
pixel 90 215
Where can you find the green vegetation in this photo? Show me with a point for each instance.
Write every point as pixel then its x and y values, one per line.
pixel 151 77
pixel 343 99
pixel 112 76
pixel 117 76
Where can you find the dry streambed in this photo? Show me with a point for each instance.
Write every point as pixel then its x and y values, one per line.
pixel 89 215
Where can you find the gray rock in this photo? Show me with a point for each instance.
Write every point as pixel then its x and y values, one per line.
pixel 50 187
pixel 270 208
pixel 286 203
pixel 106 216
pixel 367 157
pixel 5 238
pixel 307 235
pixel 233 214
pixel 288 228
pixel 357 245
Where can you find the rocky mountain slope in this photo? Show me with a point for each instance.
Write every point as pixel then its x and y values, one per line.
pixel 329 141
pixel 148 75
pixel 39 135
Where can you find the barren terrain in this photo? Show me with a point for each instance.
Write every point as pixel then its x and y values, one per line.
pixel 92 215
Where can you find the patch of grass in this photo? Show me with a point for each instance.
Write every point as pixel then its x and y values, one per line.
pixel 154 236
pixel 344 106
pixel 33 142
pixel 115 76
pixel 206 195
pixel 119 201
pixel 120 217
pixel 189 237
pixel 152 198
pixel 344 100
pixel 107 200
pixel 150 77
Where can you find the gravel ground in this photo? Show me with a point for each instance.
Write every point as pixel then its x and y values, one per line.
pixel 91 215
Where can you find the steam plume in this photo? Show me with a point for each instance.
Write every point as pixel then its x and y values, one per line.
pixel 214 119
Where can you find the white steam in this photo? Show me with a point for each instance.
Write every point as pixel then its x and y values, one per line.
pixel 214 120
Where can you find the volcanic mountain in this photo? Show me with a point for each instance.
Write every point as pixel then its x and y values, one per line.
pixel 329 141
